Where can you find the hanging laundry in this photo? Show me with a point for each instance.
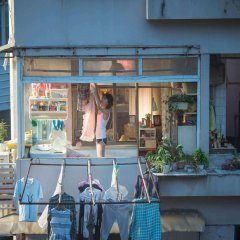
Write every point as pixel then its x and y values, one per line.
pixel 115 174
pixel 145 221
pixel 43 219
pixel 115 213
pixel 152 186
pixel 116 191
pixel 89 218
pixel 88 128
pixel 83 91
pixel 58 125
pixel 32 193
pixel 116 194
pixel 97 224
pixel 95 183
pixel 69 203
pixel 60 224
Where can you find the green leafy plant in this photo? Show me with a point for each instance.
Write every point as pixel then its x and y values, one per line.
pixel 34 122
pixel 176 98
pixel 3 131
pixel 165 154
pixel 200 158
pixel 148 116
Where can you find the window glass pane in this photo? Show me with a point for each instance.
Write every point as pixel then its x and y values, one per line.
pixel 109 67
pixel 51 67
pixel 125 114
pixel 170 66
pixel 167 110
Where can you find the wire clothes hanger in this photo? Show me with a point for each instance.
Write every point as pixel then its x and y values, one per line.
pixel 139 163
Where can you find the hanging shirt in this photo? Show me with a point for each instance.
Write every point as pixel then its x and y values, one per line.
pixel 88 122
pixel 145 222
pixel 95 183
pixel 69 203
pixel 60 224
pixel 43 219
pixel 152 186
pixel 83 90
pixel 32 193
pixel 113 194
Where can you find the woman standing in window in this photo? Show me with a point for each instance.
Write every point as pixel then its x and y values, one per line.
pixel 104 107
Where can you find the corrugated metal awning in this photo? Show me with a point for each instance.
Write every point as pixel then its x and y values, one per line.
pixel 9 225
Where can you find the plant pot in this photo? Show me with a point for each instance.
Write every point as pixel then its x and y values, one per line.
pixel 190 170
pixel 200 167
pixel 174 166
pixel 148 123
pixel 166 168
pixel 181 165
pixel 181 105
pixel 187 166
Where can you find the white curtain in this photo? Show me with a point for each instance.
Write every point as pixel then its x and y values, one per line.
pixel 132 101
pixel 145 102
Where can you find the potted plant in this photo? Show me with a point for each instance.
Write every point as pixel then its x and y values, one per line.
pixel 200 159
pixel 3 135
pixel 232 164
pixel 148 117
pixel 179 102
pixel 166 156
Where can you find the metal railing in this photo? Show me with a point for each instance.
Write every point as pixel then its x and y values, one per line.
pixel 7 179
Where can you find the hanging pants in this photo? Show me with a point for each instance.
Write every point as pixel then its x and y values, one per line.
pixel 115 213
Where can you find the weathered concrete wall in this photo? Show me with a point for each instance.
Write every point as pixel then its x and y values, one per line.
pixel 214 210
pixel 193 9
pixel 212 185
pixel 218 233
pixel 113 22
pixel 216 160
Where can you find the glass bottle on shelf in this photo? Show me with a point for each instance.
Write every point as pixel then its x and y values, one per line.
pixel 41 88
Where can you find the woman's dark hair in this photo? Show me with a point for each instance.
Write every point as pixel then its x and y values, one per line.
pixel 110 99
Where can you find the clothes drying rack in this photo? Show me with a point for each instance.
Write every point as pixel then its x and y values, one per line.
pixel 89 164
